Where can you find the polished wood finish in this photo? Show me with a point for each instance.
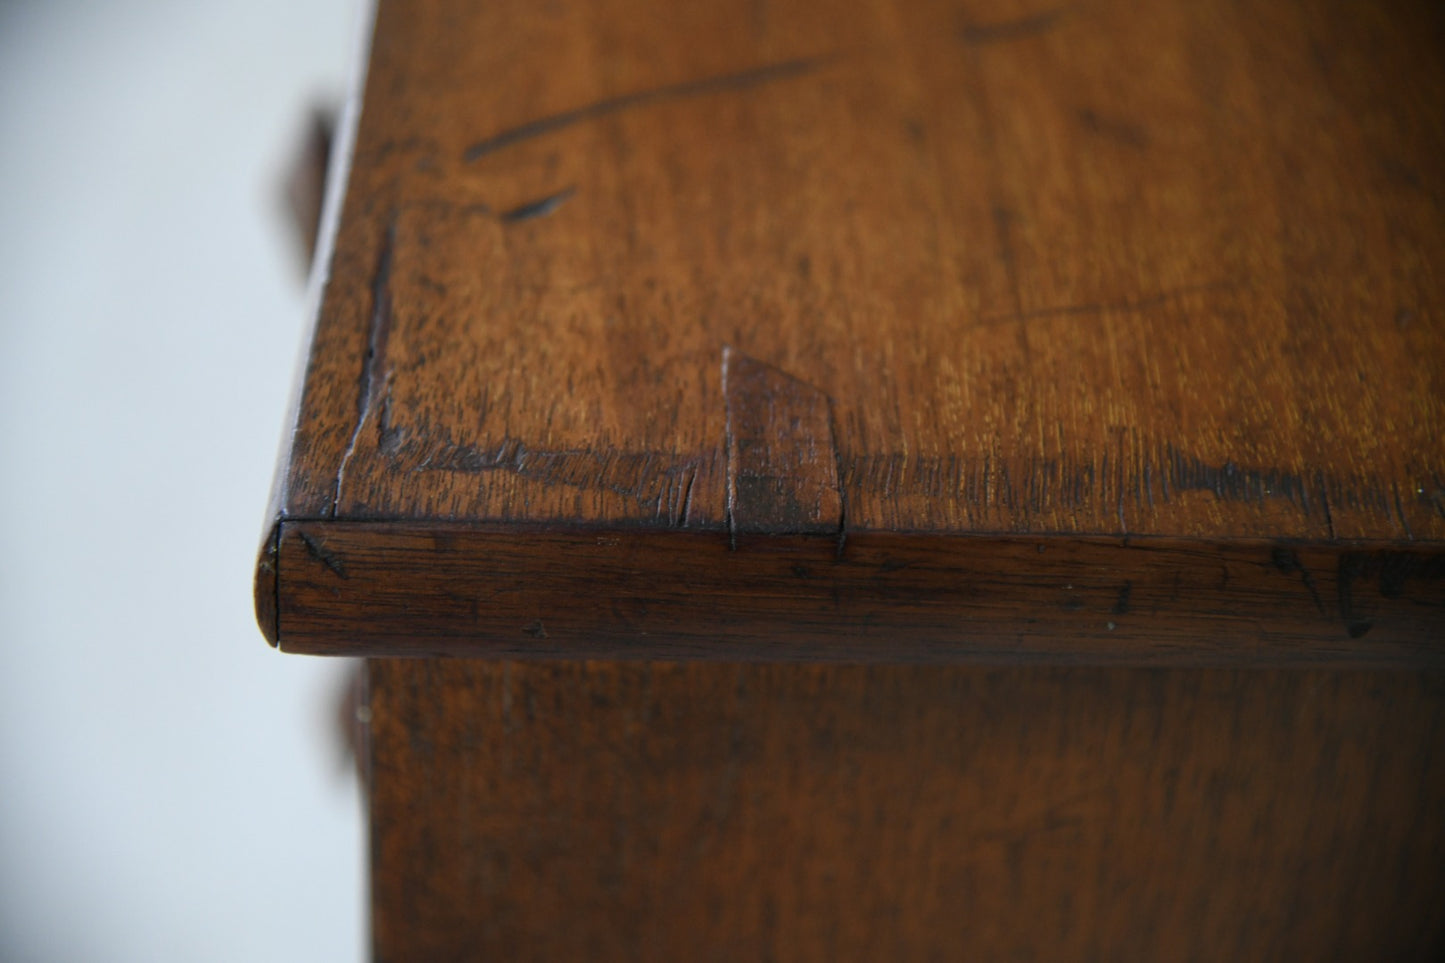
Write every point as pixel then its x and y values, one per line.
pixel 916 268
pixel 388 589
pixel 566 811
pixel 1092 353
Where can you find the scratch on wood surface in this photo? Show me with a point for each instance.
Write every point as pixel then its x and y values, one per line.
pixel 837 475
pixel 1288 563
pixel 1434 497
pixel 1400 511
pixel 389 437
pixel 1121 601
pixel 686 511
pixel 1124 132
pixel 1003 232
pixel 612 105
pixel 318 550
pixel 1324 491
pixel 782 461
pixel 1108 307
pixel 1134 479
pixel 1231 482
pixel 1021 28
pixel 373 360
pixel 538 208
pixel 660 478
pixel 1396 574
pixel 731 492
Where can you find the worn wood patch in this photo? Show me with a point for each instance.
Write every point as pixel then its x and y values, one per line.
pixel 782 463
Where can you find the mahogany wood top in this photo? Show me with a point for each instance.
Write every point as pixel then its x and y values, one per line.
pixel 884 331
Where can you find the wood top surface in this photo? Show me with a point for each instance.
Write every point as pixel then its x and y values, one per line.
pixel 1099 274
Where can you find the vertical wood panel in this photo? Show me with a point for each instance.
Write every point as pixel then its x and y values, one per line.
pixel 660 811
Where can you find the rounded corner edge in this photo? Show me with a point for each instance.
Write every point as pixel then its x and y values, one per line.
pixel 266 585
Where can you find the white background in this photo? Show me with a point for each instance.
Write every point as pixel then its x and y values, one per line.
pixel 170 788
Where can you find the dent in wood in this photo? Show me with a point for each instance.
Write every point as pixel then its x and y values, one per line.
pixel 782 458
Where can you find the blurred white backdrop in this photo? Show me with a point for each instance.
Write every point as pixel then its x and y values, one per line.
pixel 170 788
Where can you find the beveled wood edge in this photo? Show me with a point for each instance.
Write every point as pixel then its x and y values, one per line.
pixel 338 175
pixel 266 585
pixel 384 589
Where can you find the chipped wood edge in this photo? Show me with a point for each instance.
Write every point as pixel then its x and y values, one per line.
pixel 267 586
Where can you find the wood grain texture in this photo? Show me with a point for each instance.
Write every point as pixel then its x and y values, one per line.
pixel 385 589
pixel 782 461
pixel 1087 270
pixel 560 811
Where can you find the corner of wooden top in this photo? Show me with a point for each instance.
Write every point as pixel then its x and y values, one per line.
pixel 266 585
